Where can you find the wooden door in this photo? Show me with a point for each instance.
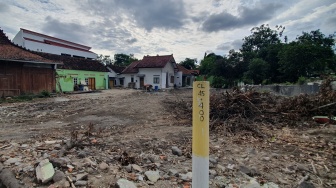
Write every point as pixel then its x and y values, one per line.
pixel 92 83
pixel 142 82
pixel 111 83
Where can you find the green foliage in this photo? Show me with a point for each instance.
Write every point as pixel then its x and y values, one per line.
pixel 258 71
pixel 261 37
pixel 104 59
pixel 45 93
pixel 124 59
pixel 189 63
pixel 218 82
pixel 311 54
pixel 207 64
pixel 20 98
pixel 302 80
pixel 266 57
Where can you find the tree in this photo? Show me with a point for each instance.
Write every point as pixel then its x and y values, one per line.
pixel 208 63
pixel 258 71
pixel 311 54
pixel 124 59
pixel 189 63
pixel 104 59
pixel 261 37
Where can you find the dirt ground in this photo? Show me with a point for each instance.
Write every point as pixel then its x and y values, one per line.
pixel 121 127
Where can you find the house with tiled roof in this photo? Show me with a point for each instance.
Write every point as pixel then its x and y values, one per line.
pixel 23 72
pixel 78 73
pixel 185 77
pixel 115 77
pixel 39 42
pixel 158 71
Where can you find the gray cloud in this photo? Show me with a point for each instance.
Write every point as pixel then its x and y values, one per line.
pixel 236 44
pixel 331 21
pixel 148 14
pixel 131 41
pixel 69 31
pixel 247 16
pixel 4 7
pixel 99 35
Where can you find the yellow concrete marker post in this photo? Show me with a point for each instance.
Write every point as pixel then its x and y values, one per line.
pixel 200 135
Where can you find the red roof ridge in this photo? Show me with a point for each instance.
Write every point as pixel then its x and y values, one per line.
pixel 12 52
pixel 54 38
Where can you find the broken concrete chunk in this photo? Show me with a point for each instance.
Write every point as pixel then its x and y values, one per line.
pixel 152 176
pixel 58 176
pixel 12 161
pixel 103 166
pixel 176 151
pixel 81 176
pixel 137 168
pixel 81 183
pixel 123 183
pixel 45 171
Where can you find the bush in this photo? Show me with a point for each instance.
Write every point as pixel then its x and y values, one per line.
pixel 302 80
pixel 45 93
pixel 218 82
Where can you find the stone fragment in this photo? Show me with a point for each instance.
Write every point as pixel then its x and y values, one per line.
pixel 221 181
pixel 270 185
pixel 152 176
pixel 11 161
pixel 123 183
pixel 212 160
pixel 176 151
pixel 58 176
pixel 44 171
pixel 136 168
pixel 249 171
pixel 128 168
pixel 173 172
pixel 80 183
pixel 220 167
pixel 88 161
pixel 266 158
pixel 251 184
pixel 58 162
pixel 306 184
pixel 213 172
pixel 7 179
pixel 82 176
pixel 103 166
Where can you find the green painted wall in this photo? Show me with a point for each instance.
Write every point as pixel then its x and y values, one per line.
pixel 66 78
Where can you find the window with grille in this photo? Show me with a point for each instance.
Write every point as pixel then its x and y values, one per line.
pixel 156 79
pixel 75 81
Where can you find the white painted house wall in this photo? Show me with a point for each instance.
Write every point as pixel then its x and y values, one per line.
pixel 48 48
pixel 178 79
pixel 127 79
pixel 149 76
pixel 112 74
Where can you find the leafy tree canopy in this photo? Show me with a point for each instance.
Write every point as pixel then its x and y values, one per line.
pixel 124 59
pixel 104 59
pixel 189 63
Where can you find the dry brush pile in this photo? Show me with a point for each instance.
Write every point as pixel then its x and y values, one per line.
pixel 236 111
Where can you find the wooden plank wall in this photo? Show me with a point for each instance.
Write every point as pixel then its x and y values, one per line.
pixel 15 79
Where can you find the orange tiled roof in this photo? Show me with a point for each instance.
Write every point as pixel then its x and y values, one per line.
pixel 131 68
pixel 75 63
pixel 115 68
pixel 187 71
pixel 155 61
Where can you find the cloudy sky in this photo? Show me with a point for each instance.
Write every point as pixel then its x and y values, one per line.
pixel 185 28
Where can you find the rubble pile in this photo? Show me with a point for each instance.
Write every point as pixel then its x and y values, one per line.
pixel 236 111
pixel 323 103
